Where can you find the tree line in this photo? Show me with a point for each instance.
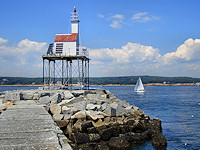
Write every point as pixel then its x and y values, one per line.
pixel 123 80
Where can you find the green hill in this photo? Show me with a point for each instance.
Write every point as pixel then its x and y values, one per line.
pixel 123 80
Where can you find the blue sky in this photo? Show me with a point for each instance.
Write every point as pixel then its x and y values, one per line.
pixel 131 37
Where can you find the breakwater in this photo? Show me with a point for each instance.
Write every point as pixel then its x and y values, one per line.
pixel 94 119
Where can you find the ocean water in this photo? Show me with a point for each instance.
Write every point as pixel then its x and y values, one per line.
pixel 177 106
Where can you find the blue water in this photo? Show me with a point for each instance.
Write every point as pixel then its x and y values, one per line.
pixel 177 106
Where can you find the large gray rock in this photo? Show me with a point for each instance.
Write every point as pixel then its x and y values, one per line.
pixel 74 100
pixel 55 109
pixel 110 111
pixel 104 106
pixel 56 98
pixel 100 91
pixel 77 93
pixel 43 93
pixel 94 96
pixel 13 96
pixel 67 95
pixel 1 101
pixel 119 109
pixel 93 116
pixel 44 100
pixel 27 95
pixel 66 110
pixel 36 96
pixel 80 105
pixel 93 107
pixel 79 115
pixel 58 117
pixel 67 116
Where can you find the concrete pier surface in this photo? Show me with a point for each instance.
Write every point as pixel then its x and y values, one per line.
pixel 27 125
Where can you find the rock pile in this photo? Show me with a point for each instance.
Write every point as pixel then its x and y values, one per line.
pixel 95 119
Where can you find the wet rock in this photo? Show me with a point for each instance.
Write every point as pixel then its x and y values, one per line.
pixel 101 146
pixel 55 109
pixel 119 120
pixel 119 143
pixel 91 129
pixel 85 146
pixel 131 136
pixel 154 126
pixel 159 140
pixel 85 125
pixel 86 138
pixel 126 128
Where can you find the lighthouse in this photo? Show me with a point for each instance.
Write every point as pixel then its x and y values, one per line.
pixel 65 61
pixel 68 44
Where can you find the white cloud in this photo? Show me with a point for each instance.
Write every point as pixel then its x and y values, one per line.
pixel 3 41
pixel 27 53
pixel 187 52
pixel 117 21
pixel 116 24
pixel 143 17
pixel 24 59
pixel 26 46
pixel 137 59
pixel 118 16
pixel 100 16
pixel 132 52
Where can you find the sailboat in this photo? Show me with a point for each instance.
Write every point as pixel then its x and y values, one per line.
pixel 139 88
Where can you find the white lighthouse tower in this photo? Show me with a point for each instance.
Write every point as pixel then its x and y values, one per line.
pixel 68 44
pixel 65 62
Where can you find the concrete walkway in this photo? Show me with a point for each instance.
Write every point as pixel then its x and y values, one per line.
pixel 28 126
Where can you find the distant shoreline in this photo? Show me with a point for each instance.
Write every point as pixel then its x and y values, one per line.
pixel 149 84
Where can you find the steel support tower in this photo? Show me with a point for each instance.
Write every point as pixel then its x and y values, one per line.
pixel 65 72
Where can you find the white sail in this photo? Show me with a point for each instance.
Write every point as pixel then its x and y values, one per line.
pixel 139 86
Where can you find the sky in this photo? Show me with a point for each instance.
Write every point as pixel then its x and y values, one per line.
pixel 124 38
